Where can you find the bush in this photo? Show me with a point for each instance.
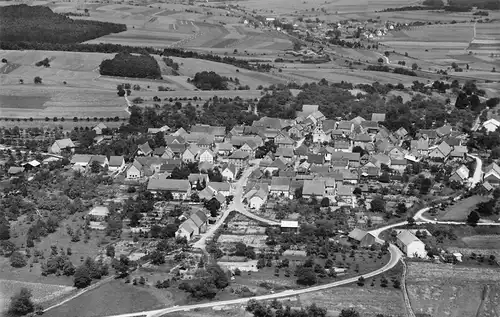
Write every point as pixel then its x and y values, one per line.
pixel 21 303
pixel 17 260
pixel 37 80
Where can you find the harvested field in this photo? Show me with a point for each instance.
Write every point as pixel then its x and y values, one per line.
pixel 41 292
pixel 446 290
pixel 483 242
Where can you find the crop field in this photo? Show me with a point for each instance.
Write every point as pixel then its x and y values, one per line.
pixel 111 298
pixel 483 241
pixel 443 290
pixel 41 292
pixel 461 209
pixel 368 300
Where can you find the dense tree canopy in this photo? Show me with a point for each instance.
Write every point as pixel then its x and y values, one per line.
pixel 129 65
pixel 39 24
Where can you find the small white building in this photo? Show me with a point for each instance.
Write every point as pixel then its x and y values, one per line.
pixel 412 246
pixel 491 125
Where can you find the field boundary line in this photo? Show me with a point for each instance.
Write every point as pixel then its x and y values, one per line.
pixel 83 291
pixel 408 308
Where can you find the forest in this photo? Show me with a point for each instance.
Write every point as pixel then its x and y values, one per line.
pixel 209 81
pixel 23 23
pixel 129 65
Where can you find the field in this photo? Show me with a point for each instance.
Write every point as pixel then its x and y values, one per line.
pixel 440 290
pixel 112 298
pixel 41 292
pixel 460 210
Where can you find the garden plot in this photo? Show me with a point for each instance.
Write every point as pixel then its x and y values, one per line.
pixel 256 241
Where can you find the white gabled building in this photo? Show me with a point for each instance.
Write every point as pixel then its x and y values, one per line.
pixel 491 125
pixel 412 246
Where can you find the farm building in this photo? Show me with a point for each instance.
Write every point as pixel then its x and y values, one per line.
pixel 411 245
pixel 363 238
pixel 289 226
pixel 99 128
pixel 97 217
pixel 59 145
pixel 15 170
pixel 116 163
pixel 180 188
pixel 193 226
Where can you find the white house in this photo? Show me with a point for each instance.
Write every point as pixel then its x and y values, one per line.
pixel 206 156
pixel 412 246
pixel 62 144
pixel 491 125
pixel 229 172
pixel 79 162
pixel 99 128
pixel 135 171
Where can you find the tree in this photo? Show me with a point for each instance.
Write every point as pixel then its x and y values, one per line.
pixel 414 66
pixel 82 277
pixel 349 312
pixel 95 167
pixel 157 257
pixel 213 206
pixel 377 205
pixel 21 303
pixel 361 281
pixel 473 218
pixel 4 230
pixel 298 193
pixel 401 208
pixel 325 202
pixel 218 276
pixel 17 260
pixel 122 265
pixel 380 60
pixel 110 251
pixel 37 80
pixel 306 276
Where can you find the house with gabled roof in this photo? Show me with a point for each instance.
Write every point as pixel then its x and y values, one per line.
pixel 345 193
pixel 280 186
pixel 296 131
pixel 399 164
pixel 197 178
pixel 159 151
pixel 180 188
pixel 134 171
pixel 277 165
pixel 428 133
pixel 316 159
pixel 206 156
pixel 401 133
pixel 358 120
pixel 286 154
pixel 460 175
pixel 223 188
pixel 421 146
pixel 229 172
pixel 411 245
pixel 257 195
pixel 283 140
pixel 328 125
pixel 167 153
pixel 250 147
pixel 370 127
pixel 144 149
pixel 441 151
pixel 223 149
pixel 443 131
pixel 180 132
pixel 397 152
pixel 190 154
pixel 174 139
pixel 492 174
pixel 153 131
pixel 314 188
pixel 218 132
pixel 80 161
pixel 347 127
pixel 302 151
pixel 239 158
pixel 343 146
pixel 491 125
pixel 62 144
pixel 116 163
pixel 99 128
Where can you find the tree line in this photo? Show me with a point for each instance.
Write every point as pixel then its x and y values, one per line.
pixel 23 23
pixel 128 65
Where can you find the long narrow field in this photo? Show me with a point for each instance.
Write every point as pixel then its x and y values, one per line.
pixel 454 291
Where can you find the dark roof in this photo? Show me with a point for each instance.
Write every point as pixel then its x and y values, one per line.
pixel 115 160
pixel 316 158
pixel 169 184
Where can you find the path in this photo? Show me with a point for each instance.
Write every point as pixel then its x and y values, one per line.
pixel 129 105
pixel 478 172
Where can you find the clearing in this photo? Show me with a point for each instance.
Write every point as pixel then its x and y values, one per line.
pixel 460 210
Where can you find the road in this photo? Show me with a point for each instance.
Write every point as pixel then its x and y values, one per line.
pixel 478 172
pixel 236 204
pixel 395 257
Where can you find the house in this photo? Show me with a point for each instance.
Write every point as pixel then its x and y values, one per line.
pixel 296 132
pixel 411 245
pixel 102 160
pixel 280 186
pixel 442 151
pixel 218 132
pixel 443 131
pixel 187 229
pixel 220 187
pixel 190 154
pixel 257 195
pixel 134 171
pixel 399 165
pixel 167 153
pixel 229 172
pixel 345 193
pixel 429 134
pixel 200 220
pixel 180 132
pixel 378 117
pixel 370 127
pixel 80 161
pixel 239 158
pixel 159 151
pixel 286 154
pixel 362 238
pixel 277 165
pixel 319 136
pixel 206 156
pixel 289 226
pixel 283 140
pixel 421 146
pixel 358 120
pixel 401 133
pixel 302 151
pixel 30 165
pixel 460 175
pixel 250 147
pixel 195 179
pixel 314 188
pixel 153 131
pixel 343 146
pixel 492 174
pixel 15 170
pixel 223 149
pixel 99 128
pixel 491 125
pixel 63 144
pixel 318 159
pixel 396 153
pixel 180 188
pixel 346 127
pixel 144 149
pixel 97 217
